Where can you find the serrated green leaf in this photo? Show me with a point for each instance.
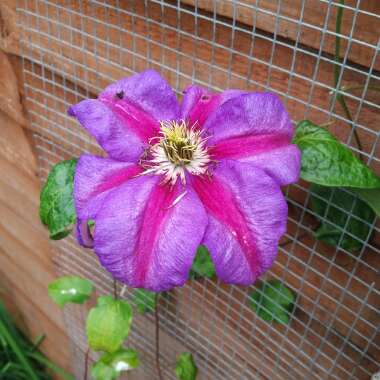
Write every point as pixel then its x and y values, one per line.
pixel 185 368
pixel 144 300
pixel 371 197
pixel 110 366
pixel 273 301
pixel 108 324
pixel 345 218
pixel 70 289
pixel 326 161
pixel 202 265
pixel 57 210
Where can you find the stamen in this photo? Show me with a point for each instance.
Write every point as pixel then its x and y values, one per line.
pixel 178 148
pixel 178 199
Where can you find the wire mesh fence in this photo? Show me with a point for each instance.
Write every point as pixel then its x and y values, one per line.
pixel 71 50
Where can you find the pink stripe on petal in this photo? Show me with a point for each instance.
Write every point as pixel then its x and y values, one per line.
pixel 203 108
pixel 221 203
pixel 247 216
pixel 134 118
pixel 148 90
pixel 145 238
pixel 157 210
pixel 95 177
pixel 117 178
pixel 249 114
pixel 198 103
pixel 100 121
pixel 248 145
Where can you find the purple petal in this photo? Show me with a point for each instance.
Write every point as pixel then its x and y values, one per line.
pixel 127 114
pixel 95 178
pixel 83 234
pixel 256 128
pixel 272 153
pixel 247 216
pixel 145 238
pixel 119 141
pixel 198 103
pixel 283 164
pixel 147 91
pixel 249 114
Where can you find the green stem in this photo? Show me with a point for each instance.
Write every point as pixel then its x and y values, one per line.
pixel 337 70
pixel 338 27
pixel 86 356
pixel 157 325
pixel 18 352
pixel 357 87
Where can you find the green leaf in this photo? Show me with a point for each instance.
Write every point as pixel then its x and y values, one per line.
pixel 110 366
pixel 70 289
pixel 144 300
pixel 371 197
pixel 108 324
pixel 342 214
pixel 328 162
pixel 101 371
pixel 185 368
pixel 202 265
pixel 273 301
pixel 57 210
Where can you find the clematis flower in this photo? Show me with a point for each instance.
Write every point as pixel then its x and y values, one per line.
pixel 206 171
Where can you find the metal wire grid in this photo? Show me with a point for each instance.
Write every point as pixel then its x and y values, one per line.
pixel 334 327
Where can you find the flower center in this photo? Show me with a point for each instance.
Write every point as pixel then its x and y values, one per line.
pixel 177 149
pixel 178 143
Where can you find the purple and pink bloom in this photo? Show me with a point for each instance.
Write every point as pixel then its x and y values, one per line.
pixel 206 171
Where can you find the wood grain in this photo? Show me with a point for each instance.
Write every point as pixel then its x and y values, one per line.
pixel 302 21
pixel 26 266
pixel 61 42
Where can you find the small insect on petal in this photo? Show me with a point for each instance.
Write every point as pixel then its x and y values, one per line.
pixel 120 94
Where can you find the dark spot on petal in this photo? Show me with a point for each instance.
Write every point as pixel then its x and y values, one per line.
pixel 205 97
pixel 120 94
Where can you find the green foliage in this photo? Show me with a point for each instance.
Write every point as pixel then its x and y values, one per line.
pixel 101 371
pixel 19 358
pixel 371 197
pixel 326 161
pixel 144 300
pixel 355 219
pixel 110 366
pixel 185 368
pixel 202 265
pixel 108 324
pixel 273 301
pixel 70 289
pixel 57 210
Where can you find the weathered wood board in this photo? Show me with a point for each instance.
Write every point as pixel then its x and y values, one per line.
pixel 26 266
